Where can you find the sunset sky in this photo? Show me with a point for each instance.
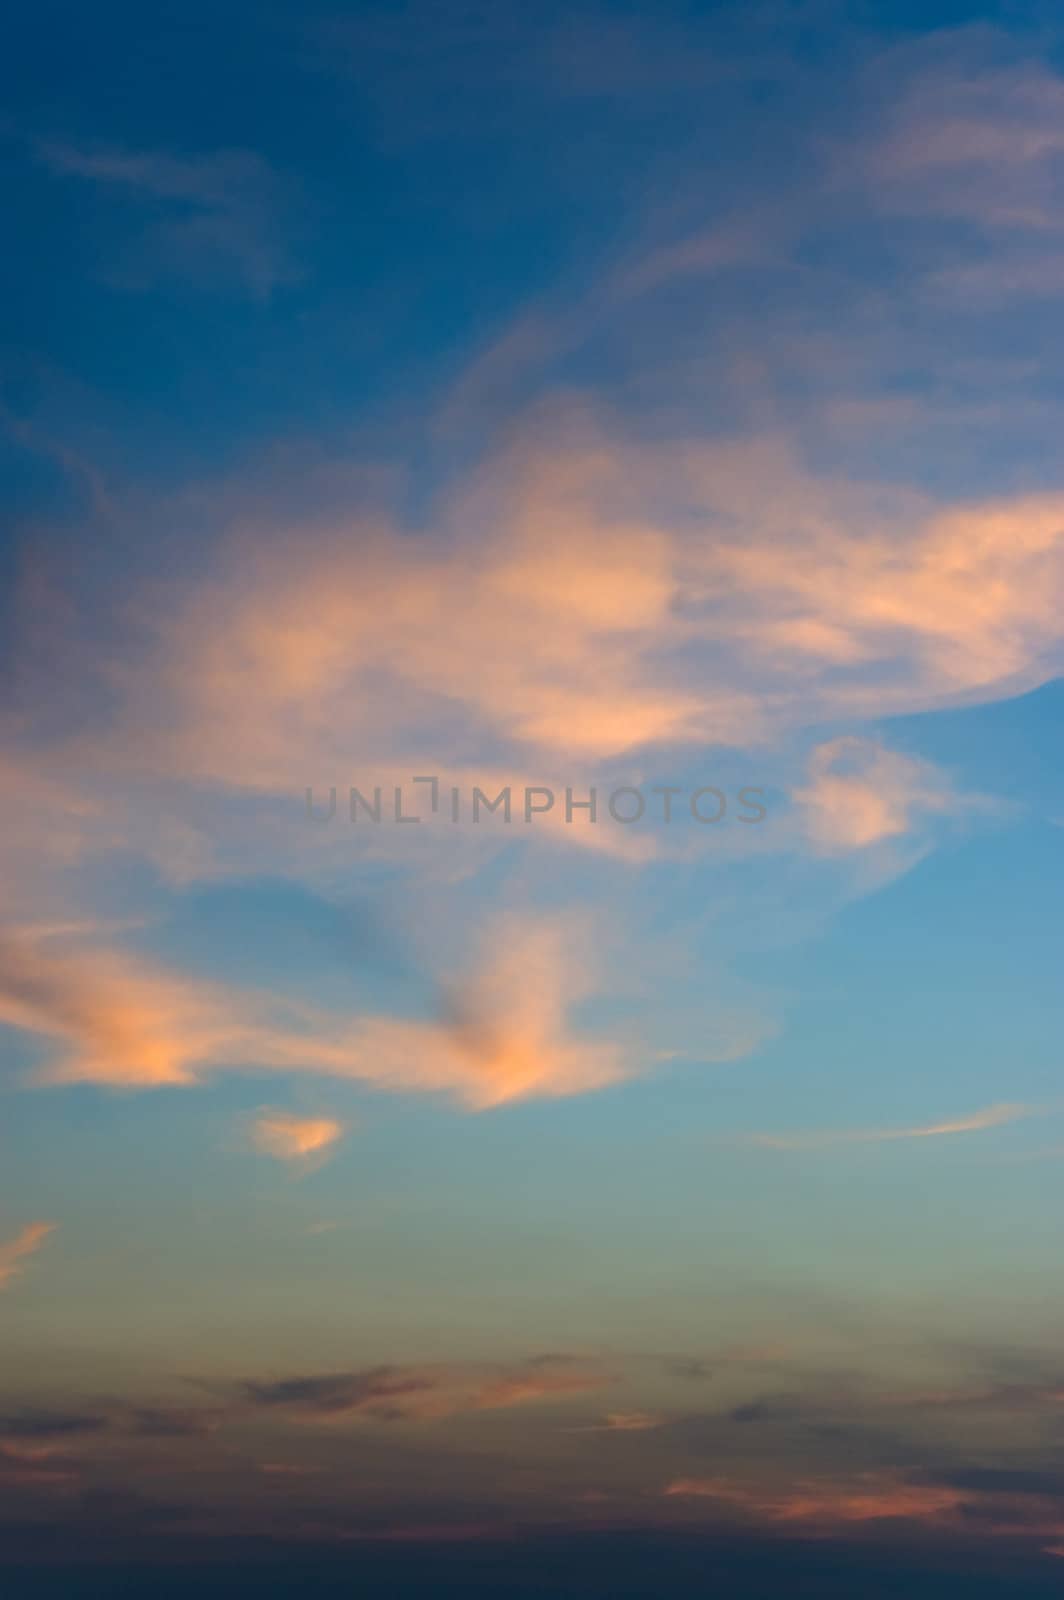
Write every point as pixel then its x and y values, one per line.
pixel 659 401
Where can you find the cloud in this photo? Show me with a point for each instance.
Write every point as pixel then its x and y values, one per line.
pixel 976 139
pixel 1022 274
pixel 879 1499
pixel 42 1432
pixel 401 1394
pixel 35 1467
pixel 588 593
pixel 978 1122
pixel 504 1033
pixel 292 1138
pixel 629 592
pixel 859 793
pixel 220 212
pixel 50 1424
pixel 627 596
pixel 564 629
pixel 627 1422
pixel 1037 1482
pixel 701 254
pixel 544 1378
pixel 13 1252
pixel 972 145
pixel 1020 1504
pixel 171 1422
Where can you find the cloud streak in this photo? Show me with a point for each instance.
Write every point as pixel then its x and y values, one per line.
pixel 882 1499
pixel 410 1393
pixel 221 212
pixel 978 1122
pixel 15 1252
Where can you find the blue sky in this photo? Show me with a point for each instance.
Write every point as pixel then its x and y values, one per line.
pixel 545 399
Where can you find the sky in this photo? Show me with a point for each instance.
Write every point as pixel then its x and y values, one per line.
pixel 532 578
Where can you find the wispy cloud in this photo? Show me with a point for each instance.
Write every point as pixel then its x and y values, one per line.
pixel 971 143
pixel 859 794
pixel 503 1033
pixel 974 138
pixel 15 1252
pixel 221 216
pixel 978 1122
pixel 410 1393
pixel 611 626
pixel 992 1502
pixel 879 1499
pixel 630 596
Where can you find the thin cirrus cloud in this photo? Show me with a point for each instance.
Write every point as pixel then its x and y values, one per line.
pixel 504 1033
pixel 976 141
pixel 977 1122
pixel 957 133
pixel 15 1252
pixel 221 212
pixel 973 139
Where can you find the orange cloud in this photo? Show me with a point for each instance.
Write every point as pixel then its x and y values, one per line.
pixel 562 626
pixel 505 1034
pixel 291 1138
pixel 15 1251
pixel 583 598
pixel 586 596
pixel 539 1380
